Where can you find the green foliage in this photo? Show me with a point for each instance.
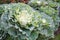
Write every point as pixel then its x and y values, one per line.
pixel 49 7
pixel 2 34
pixel 23 22
pixel 57 37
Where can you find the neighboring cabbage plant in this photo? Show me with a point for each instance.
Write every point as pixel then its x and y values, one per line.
pixel 22 22
pixel 49 7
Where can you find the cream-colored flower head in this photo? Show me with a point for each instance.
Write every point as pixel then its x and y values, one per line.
pixel 39 2
pixel 24 17
pixel 43 21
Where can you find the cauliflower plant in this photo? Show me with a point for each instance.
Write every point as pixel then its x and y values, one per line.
pixel 22 22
